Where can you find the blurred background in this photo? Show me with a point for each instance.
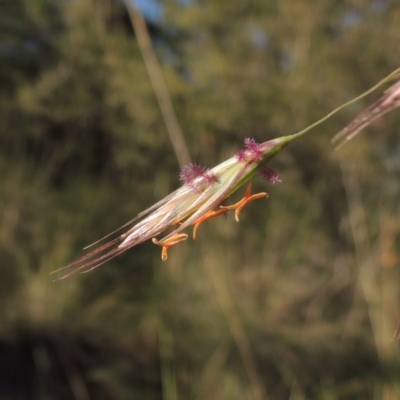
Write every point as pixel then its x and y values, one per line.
pixel 300 300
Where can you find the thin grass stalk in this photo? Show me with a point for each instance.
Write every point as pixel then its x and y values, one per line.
pixel 157 80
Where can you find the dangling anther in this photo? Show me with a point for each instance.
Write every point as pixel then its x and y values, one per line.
pixel 248 197
pixel 166 244
pixel 205 217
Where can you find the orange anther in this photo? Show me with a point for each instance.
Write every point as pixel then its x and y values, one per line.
pixel 248 197
pixel 205 217
pixel 166 244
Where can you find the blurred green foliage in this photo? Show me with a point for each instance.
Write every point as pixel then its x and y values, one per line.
pixel 299 300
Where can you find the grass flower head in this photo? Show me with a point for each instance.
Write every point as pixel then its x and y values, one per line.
pixel 202 196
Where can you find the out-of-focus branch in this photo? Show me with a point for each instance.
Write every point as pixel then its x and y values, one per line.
pixel 157 80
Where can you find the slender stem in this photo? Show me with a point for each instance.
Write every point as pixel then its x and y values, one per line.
pixel 158 82
pixel 341 107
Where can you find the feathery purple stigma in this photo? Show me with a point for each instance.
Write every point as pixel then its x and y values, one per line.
pixel 270 175
pixel 241 155
pixel 189 174
pixel 251 153
pixel 209 177
pixel 253 147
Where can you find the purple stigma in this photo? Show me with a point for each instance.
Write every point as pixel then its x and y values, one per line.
pixel 190 172
pixel 251 153
pixel 270 175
